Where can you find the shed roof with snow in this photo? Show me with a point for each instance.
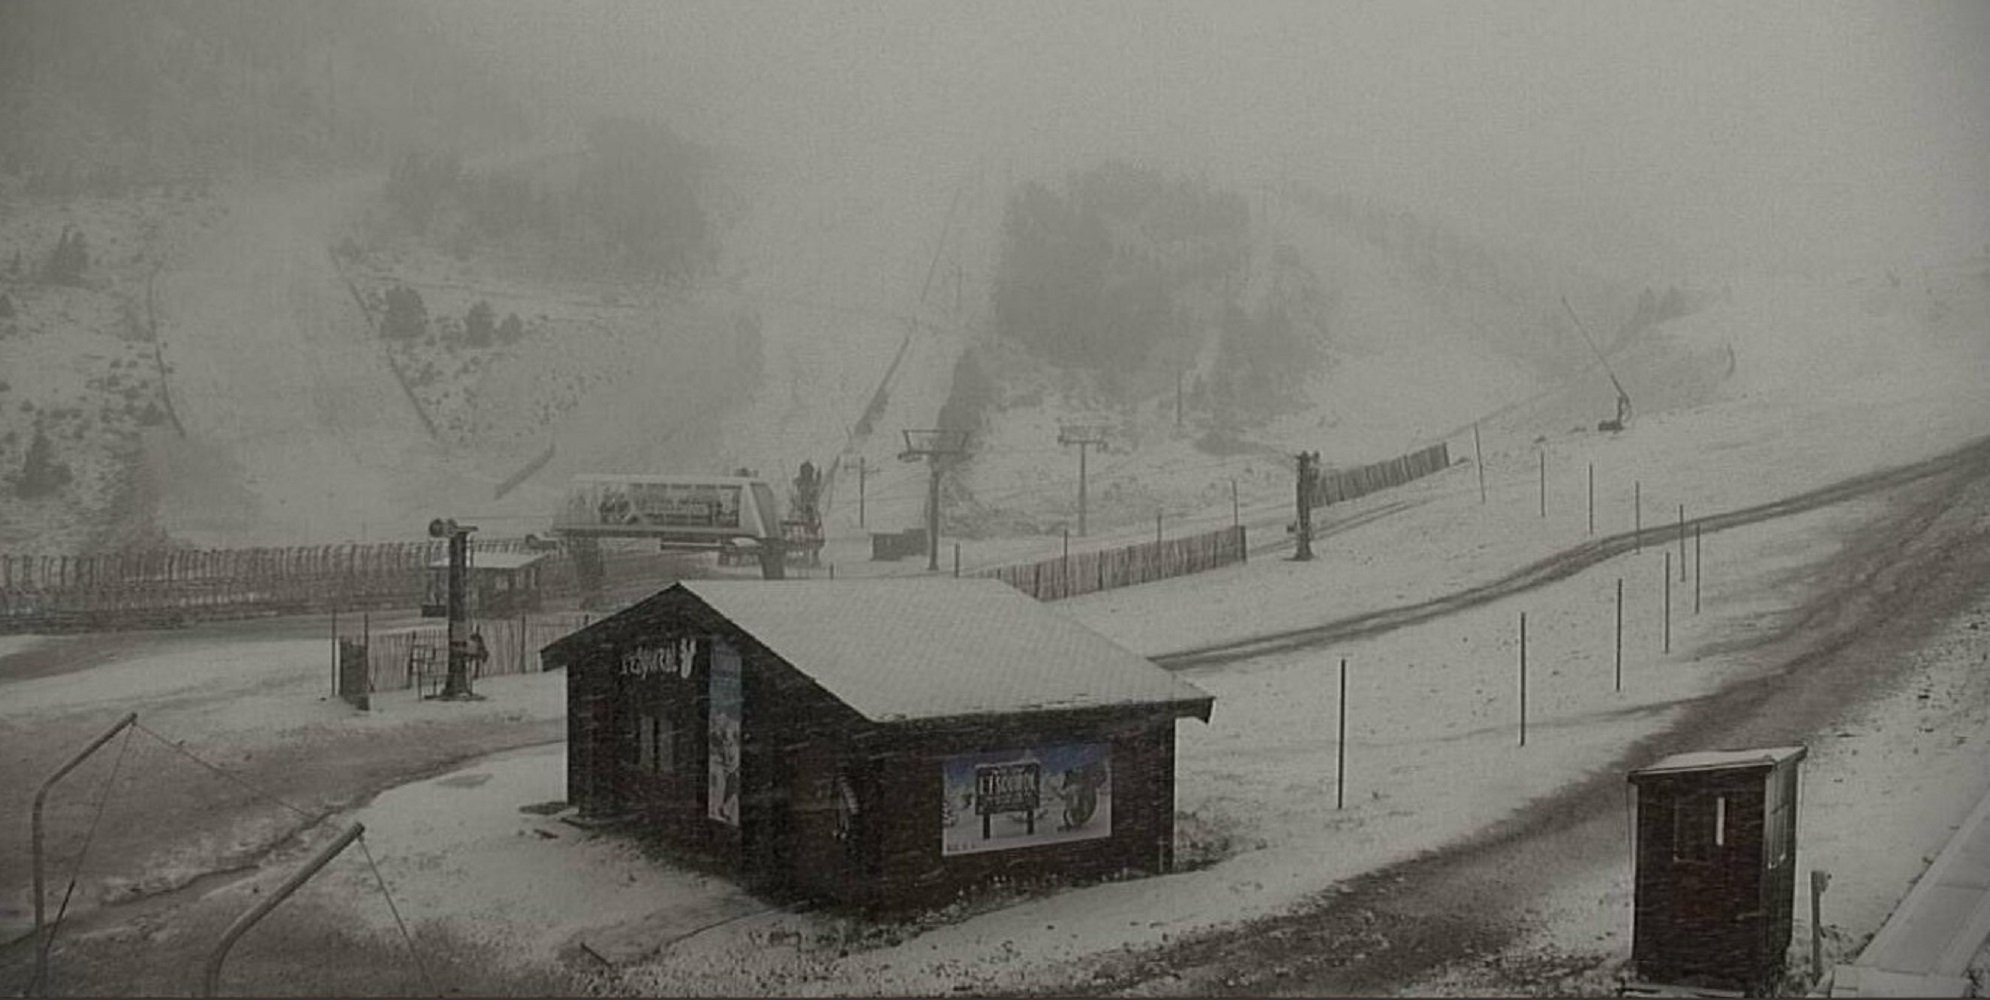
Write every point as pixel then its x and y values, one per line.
pixel 1710 760
pixel 493 560
pixel 900 650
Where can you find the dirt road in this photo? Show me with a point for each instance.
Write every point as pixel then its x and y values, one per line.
pixel 1891 588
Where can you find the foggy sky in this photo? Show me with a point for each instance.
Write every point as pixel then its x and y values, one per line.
pixel 1712 136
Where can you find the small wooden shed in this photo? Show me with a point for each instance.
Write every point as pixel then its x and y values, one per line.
pixel 1715 880
pixel 881 743
pixel 499 584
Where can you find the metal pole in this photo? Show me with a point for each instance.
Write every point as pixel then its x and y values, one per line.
pixel 1696 567
pixel 1544 484
pixel 1592 498
pixel 1082 445
pixel 1638 515
pixel 457 683
pixel 861 475
pixel 1340 758
pixel 1523 678
pixel 933 513
pixel 1668 602
pixel 1479 461
pixel 211 976
pixel 956 560
pixel 1157 527
pixel 335 650
pixel 1620 633
pixel 1304 502
pixel 1234 518
pixel 1682 543
pixel 35 835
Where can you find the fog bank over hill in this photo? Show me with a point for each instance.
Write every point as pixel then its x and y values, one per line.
pixel 1647 137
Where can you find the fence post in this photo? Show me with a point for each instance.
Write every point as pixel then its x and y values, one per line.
pixel 956 560
pixel 1696 567
pixel 1592 498
pixel 1544 482
pixel 1682 543
pixel 1340 756
pixel 1523 678
pixel 1668 602
pixel 1637 515
pixel 1479 461
pixel 1620 633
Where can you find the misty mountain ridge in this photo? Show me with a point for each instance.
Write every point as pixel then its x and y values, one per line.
pixel 102 93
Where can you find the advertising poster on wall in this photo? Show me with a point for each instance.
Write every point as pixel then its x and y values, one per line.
pixel 722 794
pixel 1028 797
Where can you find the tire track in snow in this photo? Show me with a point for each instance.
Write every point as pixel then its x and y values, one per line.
pixel 1973 457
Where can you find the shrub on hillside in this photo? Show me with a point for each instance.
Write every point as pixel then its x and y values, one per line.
pixel 479 324
pixel 1105 271
pixel 407 316
pixel 67 261
pixel 512 330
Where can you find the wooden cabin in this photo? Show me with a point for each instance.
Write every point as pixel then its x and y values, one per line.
pixel 1715 883
pixel 886 744
pixel 500 584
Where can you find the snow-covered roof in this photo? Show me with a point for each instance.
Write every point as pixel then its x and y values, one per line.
pixel 494 560
pixel 1708 760
pixel 898 650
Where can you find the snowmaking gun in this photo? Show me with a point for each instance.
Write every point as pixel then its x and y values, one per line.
pixel 1623 418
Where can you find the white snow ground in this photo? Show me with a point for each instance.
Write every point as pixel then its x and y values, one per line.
pixel 1431 724
pixel 1432 732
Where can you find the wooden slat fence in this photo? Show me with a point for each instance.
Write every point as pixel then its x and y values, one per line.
pixel 143 587
pixel 514 645
pixel 1349 484
pixel 1105 569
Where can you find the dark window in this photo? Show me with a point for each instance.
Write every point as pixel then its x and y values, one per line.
pixel 1699 825
pixel 656 750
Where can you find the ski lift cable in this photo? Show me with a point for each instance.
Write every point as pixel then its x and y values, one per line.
pixel 89 836
pixel 381 880
pixel 252 789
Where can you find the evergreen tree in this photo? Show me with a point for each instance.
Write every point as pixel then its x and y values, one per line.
pixel 407 316
pixel 479 325
pixel 41 474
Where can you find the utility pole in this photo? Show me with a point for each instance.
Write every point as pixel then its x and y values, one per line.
pixel 457 685
pixel 1309 470
pixel 1084 436
pixel 933 446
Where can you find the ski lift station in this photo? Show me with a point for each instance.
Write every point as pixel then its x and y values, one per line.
pixel 885 744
